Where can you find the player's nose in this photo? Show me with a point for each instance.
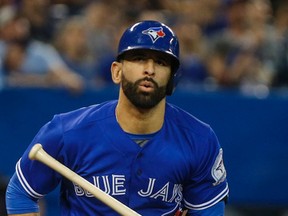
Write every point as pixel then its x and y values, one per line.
pixel 149 68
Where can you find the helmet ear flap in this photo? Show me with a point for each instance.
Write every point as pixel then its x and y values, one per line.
pixel 170 86
pixel 173 81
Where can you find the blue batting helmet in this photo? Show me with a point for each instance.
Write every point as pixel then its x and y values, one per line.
pixel 152 35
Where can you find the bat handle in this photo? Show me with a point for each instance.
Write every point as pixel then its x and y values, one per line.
pixel 34 151
pixel 38 153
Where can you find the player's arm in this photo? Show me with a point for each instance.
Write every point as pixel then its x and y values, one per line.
pixel 210 195
pixel 32 180
pixel 18 201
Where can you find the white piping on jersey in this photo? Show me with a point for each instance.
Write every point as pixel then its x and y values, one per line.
pixel 210 203
pixel 173 210
pixel 24 182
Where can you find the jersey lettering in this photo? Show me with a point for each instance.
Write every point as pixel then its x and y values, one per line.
pixel 177 193
pixel 149 188
pixel 78 190
pixel 105 183
pixel 81 192
pixel 116 187
pixel 163 193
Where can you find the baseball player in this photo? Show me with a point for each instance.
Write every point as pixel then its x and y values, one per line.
pixel 150 155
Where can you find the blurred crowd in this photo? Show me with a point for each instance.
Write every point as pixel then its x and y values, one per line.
pixel 70 44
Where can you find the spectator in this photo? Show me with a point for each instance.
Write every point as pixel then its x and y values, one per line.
pixel 193 70
pixel 100 27
pixel 243 45
pixel 244 54
pixel 72 44
pixel 281 77
pixel 38 13
pixel 195 21
pixel 281 24
pixel 267 41
pixel 29 62
pixel 102 34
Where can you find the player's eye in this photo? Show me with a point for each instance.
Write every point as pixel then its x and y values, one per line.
pixel 139 58
pixel 135 58
pixel 162 62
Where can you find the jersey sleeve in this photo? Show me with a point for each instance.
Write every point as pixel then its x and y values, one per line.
pixel 35 177
pixel 18 201
pixel 215 210
pixel 207 185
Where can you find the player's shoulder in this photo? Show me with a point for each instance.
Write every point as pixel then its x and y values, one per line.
pixel 186 121
pixel 87 115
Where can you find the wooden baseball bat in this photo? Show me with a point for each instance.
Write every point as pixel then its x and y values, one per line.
pixel 38 153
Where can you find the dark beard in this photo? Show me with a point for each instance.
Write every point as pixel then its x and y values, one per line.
pixel 143 100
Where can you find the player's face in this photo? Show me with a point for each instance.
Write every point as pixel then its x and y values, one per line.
pixel 144 79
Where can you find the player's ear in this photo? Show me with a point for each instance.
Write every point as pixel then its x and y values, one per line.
pixel 116 68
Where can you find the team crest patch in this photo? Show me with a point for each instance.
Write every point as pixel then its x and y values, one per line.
pixel 154 33
pixel 218 171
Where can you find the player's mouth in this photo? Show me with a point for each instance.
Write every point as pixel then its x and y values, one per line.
pixel 146 85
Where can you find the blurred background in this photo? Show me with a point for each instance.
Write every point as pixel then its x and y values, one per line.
pixel 55 56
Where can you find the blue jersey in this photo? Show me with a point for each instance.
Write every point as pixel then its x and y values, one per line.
pixel 181 165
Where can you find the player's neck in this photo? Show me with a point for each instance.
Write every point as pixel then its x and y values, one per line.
pixel 140 121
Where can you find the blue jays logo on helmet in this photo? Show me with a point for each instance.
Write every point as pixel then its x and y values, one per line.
pixel 154 33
